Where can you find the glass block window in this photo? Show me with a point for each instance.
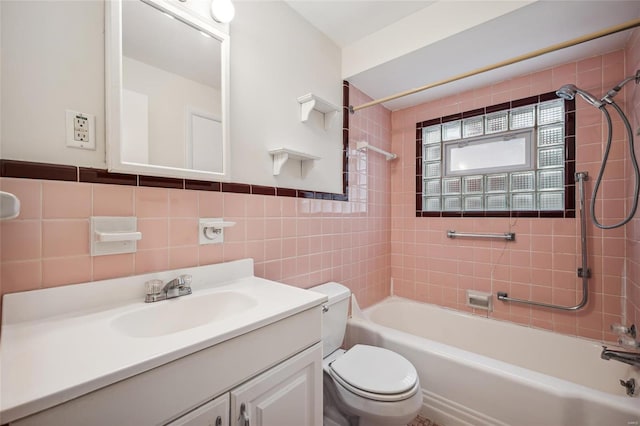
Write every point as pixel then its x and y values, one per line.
pixel 516 157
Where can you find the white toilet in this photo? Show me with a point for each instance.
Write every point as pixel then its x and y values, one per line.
pixel 365 385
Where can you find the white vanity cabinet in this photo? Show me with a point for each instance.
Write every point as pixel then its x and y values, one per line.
pixel 288 394
pixel 95 354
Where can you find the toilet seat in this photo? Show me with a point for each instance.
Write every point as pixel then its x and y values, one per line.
pixel 375 373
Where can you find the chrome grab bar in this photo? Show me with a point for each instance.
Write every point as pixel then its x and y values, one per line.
pixel 509 236
pixel 584 272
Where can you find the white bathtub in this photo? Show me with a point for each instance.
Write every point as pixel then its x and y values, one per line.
pixel 478 371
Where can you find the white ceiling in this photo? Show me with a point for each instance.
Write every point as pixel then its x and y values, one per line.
pixel 347 21
pixel 532 27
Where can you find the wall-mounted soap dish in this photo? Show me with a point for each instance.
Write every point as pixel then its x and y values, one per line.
pixel 211 230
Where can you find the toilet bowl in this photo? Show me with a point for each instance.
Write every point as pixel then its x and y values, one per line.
pixel 364 385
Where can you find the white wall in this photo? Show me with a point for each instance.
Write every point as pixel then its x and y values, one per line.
pixel 53 60
pixel 276 57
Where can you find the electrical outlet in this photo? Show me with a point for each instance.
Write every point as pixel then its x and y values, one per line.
pixel 81 135
pixel 80 122
pixel 81 130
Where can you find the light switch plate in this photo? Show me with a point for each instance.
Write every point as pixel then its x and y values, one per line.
pixel 81 130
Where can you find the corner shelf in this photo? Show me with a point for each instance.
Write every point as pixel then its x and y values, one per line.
pixel 311 102
pixel 281 155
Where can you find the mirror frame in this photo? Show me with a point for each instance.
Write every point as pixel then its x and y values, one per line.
pixel 113 86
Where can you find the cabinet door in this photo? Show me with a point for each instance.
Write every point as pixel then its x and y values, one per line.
pixel 213 413
pixel 289 394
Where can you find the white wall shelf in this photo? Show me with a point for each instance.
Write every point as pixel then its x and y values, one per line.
pixel 281 155
pixel 310 102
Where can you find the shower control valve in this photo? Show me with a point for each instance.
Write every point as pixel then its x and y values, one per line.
pixel 630 385
pixel 622 329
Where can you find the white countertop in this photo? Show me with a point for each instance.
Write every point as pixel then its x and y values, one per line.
pixel 54 347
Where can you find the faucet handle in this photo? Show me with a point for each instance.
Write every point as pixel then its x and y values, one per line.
pixel 153 287
pixel 628 342
pixel 622 329
pixel 184 288
pixel 186 280
pixel 629 385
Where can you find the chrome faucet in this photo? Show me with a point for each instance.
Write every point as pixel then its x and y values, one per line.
pixel 173 287
pixel 630 358
pixel 180 286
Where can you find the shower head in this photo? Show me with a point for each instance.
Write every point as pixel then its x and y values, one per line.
pixel 568 92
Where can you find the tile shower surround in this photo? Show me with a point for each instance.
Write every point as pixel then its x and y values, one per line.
pixel 541 264
pixel 302 238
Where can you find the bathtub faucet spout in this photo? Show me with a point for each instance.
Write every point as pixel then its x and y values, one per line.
pixel 631 358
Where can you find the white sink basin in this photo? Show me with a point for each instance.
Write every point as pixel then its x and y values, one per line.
pixel 182 313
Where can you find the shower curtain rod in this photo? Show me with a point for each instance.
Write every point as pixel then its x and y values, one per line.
pixel 588 37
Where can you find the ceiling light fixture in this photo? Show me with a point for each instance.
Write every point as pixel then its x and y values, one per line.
pixel 222 11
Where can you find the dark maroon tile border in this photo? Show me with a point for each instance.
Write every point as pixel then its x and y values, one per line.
pixel 525 101
pixel 324 196
pixel 498 107
pixel 263 190
pixel 569 163
pixel 201 185
pixel 30 170
pixel 103 176
pixel 345 141
pixel 239 188
pixel 286 192
pixel 160 182
pixel 306 194
pixel 473 113
pixel 452 117
pixel 48 171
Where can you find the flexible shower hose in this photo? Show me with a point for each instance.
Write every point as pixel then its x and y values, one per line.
pixel 634 163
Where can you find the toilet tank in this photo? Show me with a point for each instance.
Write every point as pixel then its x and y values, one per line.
pixel 334 319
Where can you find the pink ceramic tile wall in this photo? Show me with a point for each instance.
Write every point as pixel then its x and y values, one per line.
pixel 633 228
pixel 541 264
pixel 301 242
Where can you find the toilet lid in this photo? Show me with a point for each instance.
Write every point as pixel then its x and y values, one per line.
pixel 375 370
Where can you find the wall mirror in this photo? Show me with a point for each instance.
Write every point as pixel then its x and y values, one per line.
pixel 167 93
